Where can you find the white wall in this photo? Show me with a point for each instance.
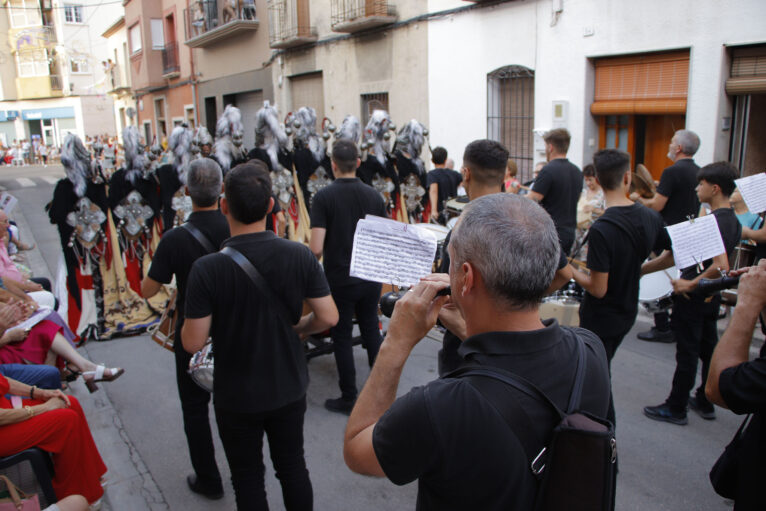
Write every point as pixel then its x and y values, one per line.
pixel 466 46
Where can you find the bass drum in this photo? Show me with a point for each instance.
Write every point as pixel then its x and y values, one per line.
pixel 655 292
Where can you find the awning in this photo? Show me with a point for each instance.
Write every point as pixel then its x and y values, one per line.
pixel 47 113
pixel 639 106
pixel 8 115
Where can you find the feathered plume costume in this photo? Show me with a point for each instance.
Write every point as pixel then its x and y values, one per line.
pixel 228 148
pixel 412 174
pixel 377 168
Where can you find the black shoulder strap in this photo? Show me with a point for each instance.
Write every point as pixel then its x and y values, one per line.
pixel 259 281
pixel 199 236
pixel 482 378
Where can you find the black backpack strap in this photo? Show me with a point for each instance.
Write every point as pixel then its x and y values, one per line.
pixel 257 279
pixel 579 380
pixel 201 238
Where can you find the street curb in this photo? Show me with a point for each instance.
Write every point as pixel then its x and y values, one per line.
pixel 130 484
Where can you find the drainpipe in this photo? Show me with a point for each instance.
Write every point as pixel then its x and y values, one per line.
pixel 193 81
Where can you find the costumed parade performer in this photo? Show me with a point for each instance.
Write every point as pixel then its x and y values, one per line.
pixel 228 150
pixel 310 154
pixel 272 148
pixel 377 168
pixel 172 176
pixel 99 303
pixel 135 206
pixel 412 172
pixel 202 143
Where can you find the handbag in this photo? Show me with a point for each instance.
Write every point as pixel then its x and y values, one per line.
pixel 202 363
pixel 725 471
pixel 17 499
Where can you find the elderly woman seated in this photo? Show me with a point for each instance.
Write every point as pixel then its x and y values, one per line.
pixel 54 422
pixel 45 343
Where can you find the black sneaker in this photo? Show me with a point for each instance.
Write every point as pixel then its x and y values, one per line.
pixel 665 414
pixel 654 335
pixel 340 405
pixel 704 408
pixel 211 492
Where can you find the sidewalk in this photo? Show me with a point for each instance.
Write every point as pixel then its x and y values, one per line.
pixel 131 486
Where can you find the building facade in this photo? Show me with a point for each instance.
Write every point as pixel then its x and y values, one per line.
pixel 351 57
pixel 118 75
pixel 161 66
pixel 616 74
pixel 53 78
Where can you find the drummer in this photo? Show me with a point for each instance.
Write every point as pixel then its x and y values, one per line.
pixel 442 184
pixel 618 242
pixel 335 211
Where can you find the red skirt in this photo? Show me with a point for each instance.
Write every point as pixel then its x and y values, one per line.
pixel 65 434
pixel 34 349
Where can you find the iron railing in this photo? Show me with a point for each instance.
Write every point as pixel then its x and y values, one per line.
pixel 56 82
pixel 202 16
pixel 511 114
pixel 170 58
pixel 288 19
pixel 342 11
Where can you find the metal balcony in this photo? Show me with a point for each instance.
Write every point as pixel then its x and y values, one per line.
pixel 209 21
pixel 358 15
pixel 170 65
pixel 289 24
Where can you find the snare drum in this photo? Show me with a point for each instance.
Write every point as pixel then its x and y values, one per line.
pixel 440 232
pixel 743 256
pixel 566 309
pixel 655 292
pixel 453 207
pixel 201 367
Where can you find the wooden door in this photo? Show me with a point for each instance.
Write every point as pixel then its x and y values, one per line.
pixel 659 131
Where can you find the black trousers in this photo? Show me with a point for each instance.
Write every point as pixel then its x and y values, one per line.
pixel 194 405
pixel 695 328
pixel 361 299
pixel 662 321
pixel 242 437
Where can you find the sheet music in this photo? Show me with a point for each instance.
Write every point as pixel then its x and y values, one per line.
pixel 391 252
pixel 753 190
pixel 34 319
pixel 695 241
pixel 7 202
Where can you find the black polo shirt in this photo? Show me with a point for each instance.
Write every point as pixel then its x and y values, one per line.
pixel 447 181
pixel 259 360
pixel 678 183
pixel 743 388
pixel 459 448
pixel 618 243
pixel 337 208
pixel 178 250
pixel 560 184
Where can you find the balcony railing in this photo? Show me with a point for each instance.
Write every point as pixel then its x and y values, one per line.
pixel 170 65
pixel 56 82
pixel 208 21
pixel 358 15
pixel 289 24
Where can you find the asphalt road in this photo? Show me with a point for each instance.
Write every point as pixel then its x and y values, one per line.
pixel 137 420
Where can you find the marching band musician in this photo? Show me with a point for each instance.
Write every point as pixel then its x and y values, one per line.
pixel 619 241
pixel 377 168
pixel 695 317
pixel 175 255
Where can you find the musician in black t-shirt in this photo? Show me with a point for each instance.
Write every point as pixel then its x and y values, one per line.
pixel 695 317
pixel 335 211
pixel 618 243
pixel 260 375
pixel 442 183
pixel 175 255
pixel 675 200
pixel 558 187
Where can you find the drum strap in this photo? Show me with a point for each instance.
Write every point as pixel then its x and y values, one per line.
pixel 244 263
pixel 201 238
